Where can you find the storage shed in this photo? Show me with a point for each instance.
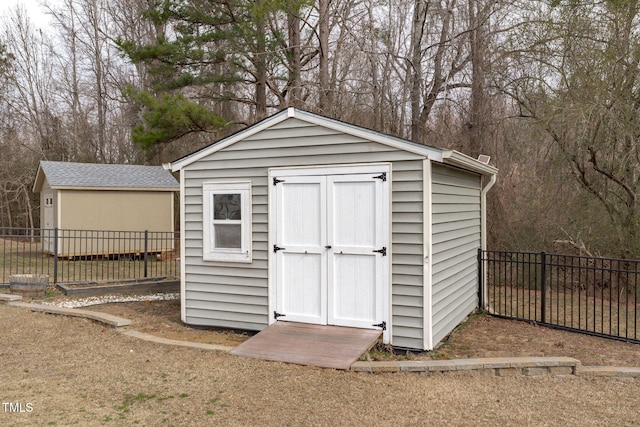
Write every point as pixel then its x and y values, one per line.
pixel 307 219
pixel 103 197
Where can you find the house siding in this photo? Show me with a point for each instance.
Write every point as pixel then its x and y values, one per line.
pixel 235 295
pixel 103 210
pixel 456 225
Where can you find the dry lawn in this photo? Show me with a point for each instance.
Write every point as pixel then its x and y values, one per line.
pixel 77 372
pixel 480 336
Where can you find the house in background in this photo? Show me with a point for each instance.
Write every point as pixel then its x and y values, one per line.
pixel 103 197
pixel 307 219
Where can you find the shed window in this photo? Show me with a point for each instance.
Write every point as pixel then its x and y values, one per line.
pixel 227 221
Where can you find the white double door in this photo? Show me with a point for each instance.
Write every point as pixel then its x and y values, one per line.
pixel 331 249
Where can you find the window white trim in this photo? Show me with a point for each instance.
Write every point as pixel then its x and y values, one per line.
pixel 209 250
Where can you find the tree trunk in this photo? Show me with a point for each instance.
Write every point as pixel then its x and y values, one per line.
pixel 295 68
pixel 261 68
pixel 478 108
pixel 323 64
pixel 415 76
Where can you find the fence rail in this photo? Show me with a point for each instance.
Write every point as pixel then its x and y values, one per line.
pixel 597 296
pixel 75 256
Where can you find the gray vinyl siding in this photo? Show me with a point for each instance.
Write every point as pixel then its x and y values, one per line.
pixel 235 295
pixel 407 279
pixel 456 221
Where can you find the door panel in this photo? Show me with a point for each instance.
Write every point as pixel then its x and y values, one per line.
pixel 353 296
pixel 302 287
pixel 301 263
pixel 353 211
pixel 354 271
pixel 301 216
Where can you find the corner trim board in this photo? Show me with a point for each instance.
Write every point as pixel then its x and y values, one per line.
pixel 427 230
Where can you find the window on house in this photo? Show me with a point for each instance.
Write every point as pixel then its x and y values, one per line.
pixel 227 221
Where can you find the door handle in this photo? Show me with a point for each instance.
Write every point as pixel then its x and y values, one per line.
pixel 328 247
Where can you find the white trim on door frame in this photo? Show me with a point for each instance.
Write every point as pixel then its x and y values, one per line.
pixel 330 169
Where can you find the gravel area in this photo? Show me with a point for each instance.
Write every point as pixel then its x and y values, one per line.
pixel 106 299
pixel 66 371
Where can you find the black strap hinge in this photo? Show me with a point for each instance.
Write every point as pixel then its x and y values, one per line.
pixel 277 248
pixel 382 251
pixel 276 180
pixel 382 325
pixel 382 176
pixel 276 315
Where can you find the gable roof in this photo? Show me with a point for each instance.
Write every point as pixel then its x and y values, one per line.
pixel 452 157
pixel 67 175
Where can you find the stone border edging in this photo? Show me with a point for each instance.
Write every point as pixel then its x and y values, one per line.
pixel 498 366
pixel 160 340
pixel 105 318
pixel 10 297
pixel 609 371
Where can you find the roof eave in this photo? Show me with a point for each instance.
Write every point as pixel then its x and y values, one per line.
pixel 145 189
pixel 458 159
pixel 37 183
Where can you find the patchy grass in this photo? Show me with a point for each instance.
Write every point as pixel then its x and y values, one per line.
pixel 382 352
pixel 600 311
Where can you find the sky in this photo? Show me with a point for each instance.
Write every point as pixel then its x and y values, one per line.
pixel 33 7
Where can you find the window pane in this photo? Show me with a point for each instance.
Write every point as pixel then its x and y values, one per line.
pixel 228 236
pixel 226 206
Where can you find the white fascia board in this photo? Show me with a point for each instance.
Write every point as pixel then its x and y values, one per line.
pixel 456 158
pixel 243 134
pixel 141 189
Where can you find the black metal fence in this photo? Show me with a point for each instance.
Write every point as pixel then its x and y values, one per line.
pixel 597 296
pixel 81 256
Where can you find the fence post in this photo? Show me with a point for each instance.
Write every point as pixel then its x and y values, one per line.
pixel 55 256
pixel 146 253
pixel 543 282
pixel 481 283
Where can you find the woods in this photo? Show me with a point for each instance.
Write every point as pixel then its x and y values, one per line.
pixel 549 89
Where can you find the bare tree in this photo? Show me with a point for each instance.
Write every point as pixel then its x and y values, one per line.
pixel 578 75
pixel 323 53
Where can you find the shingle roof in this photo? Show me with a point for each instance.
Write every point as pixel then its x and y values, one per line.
pixel 94 175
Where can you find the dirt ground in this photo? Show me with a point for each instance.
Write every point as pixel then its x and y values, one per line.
pixel 480 336
pixel 57 370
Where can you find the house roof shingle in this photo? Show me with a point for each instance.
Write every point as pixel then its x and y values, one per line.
pixel 95 175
